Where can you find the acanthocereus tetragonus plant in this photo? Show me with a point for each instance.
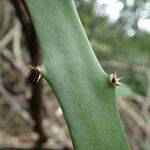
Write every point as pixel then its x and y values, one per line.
pixel 85 92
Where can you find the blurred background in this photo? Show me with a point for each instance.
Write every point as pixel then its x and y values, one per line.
pixel 30 116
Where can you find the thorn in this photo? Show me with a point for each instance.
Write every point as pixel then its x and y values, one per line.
pixel 120 78
pixel 39 77
pixel 115 81
pixel 119 84
pixel 38 71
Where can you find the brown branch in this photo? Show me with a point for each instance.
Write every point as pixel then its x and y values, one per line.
pixel 7 38
pixel 9 98
pixel 16 62
pixel 132 113
pixel 29 142
pixel 22 69
pixel 7 17
pixel 33 46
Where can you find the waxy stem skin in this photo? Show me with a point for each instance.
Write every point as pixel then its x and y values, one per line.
pixel 81 86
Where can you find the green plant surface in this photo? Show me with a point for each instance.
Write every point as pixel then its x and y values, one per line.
pixel 81 86
pixel 124 91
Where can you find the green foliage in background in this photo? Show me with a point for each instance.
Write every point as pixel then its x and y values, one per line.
pixel 82 88
pixel 120 40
